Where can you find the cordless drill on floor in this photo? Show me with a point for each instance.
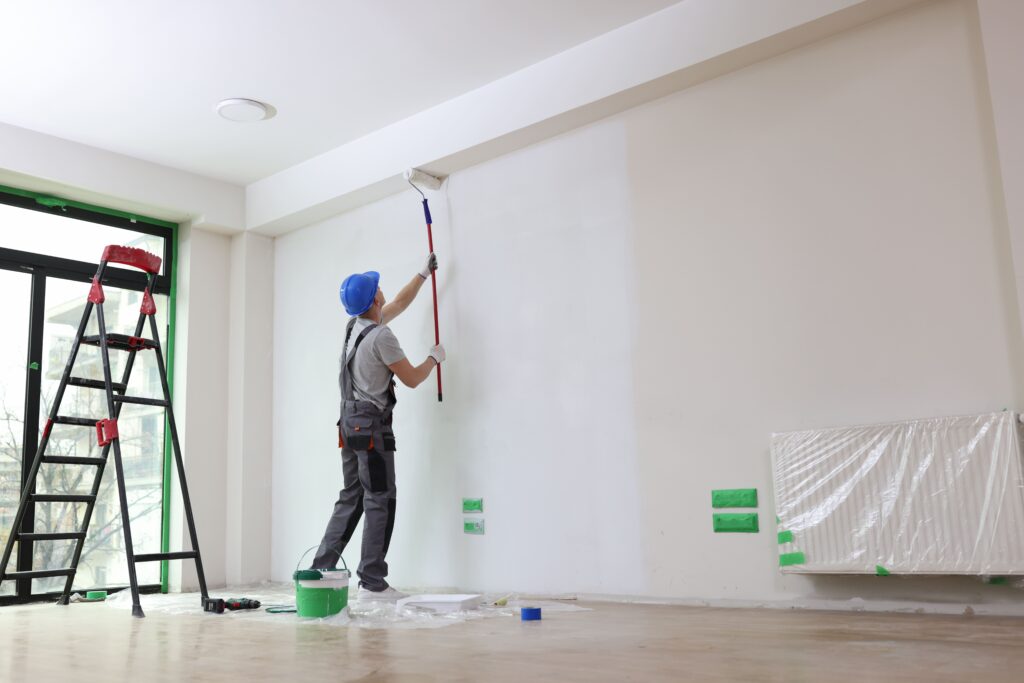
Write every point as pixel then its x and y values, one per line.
pixel 218 605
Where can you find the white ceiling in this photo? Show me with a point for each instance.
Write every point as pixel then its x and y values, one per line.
pixel 142 77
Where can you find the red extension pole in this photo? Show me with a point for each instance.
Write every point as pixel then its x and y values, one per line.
pixel 433 285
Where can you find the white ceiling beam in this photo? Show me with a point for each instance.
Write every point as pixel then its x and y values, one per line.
pixel 675 48
pixel 70 170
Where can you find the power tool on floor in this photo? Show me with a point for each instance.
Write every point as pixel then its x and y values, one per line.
pixel 218 605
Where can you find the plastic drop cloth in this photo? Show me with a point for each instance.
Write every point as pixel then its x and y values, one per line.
pixel 934 496
pixel 357 614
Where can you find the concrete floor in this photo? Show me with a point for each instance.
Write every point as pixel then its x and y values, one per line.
pixel 614 642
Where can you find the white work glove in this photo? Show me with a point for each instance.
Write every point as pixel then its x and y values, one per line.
pixel 437 353
pixel 429 267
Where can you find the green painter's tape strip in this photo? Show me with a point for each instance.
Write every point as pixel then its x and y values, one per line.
pixel 881 571
pixel 51 202
pixel 785 537
pixel 789 559
pixel 734 498
pixel 742 522
pixel 472 504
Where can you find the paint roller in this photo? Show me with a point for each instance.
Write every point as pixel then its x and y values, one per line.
pixel 417 179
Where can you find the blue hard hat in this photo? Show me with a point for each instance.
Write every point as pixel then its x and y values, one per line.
pixel 358 291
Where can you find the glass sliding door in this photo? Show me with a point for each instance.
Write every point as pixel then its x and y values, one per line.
pixel 48 255
pixel 15 301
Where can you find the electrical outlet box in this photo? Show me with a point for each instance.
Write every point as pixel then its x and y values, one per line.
pixel 473 526
pixel 472 505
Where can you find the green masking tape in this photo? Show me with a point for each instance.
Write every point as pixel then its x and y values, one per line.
pixel 785 537
pixel 881 571
pixel 743 522
pixel 789 559
pixel 734 498
pixel 51 202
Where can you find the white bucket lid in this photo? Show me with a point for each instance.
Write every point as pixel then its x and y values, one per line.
pixel 332 579
pixel 331 584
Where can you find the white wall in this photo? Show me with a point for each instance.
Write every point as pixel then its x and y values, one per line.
pixel 632 308
pixel 43 163
pixel 248 408
pixel 200 400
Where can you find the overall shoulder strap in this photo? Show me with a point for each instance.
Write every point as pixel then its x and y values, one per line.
pixel 359 340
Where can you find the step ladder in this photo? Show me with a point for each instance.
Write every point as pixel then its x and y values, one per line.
pixel 106 433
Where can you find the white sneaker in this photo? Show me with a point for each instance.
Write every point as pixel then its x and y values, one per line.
pixel 389 594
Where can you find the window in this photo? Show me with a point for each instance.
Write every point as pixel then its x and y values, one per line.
pixel 49 252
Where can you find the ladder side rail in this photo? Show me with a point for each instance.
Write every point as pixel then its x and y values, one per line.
pixel 180 465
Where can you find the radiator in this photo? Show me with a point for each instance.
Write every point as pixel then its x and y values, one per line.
pixel 935 496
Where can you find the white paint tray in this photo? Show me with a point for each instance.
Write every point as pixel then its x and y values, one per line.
pixel 442 602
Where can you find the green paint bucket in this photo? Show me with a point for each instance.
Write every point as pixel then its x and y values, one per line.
pixel 320 592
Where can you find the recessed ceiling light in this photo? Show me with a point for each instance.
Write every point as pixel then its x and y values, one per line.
pixel 241 110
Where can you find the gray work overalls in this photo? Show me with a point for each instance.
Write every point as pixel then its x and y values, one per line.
pixel 368 466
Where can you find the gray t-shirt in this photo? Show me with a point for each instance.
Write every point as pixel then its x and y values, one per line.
pixel 370 374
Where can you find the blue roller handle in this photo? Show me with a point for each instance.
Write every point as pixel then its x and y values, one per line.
pixel 426 212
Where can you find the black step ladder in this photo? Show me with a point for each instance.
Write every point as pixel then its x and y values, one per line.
pixel 107 435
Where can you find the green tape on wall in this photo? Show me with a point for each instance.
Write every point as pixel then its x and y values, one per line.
pixel 785 537
pixel 473 526
pixel 472 504
pixel 881 571
pixel 741 522
pixel 734 498
pixel 789 559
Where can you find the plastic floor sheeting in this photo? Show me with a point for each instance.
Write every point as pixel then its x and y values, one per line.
pixel 358 614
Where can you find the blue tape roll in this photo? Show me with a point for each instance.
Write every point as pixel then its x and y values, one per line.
pixel 530 613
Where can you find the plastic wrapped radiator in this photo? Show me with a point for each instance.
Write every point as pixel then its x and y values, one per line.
pixel 935 496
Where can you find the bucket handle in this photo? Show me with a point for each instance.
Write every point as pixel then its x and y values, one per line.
pixel 313 547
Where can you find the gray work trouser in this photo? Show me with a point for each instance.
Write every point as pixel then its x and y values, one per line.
pixel 368 467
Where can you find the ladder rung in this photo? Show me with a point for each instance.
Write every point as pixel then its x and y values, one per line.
pixel 72 460
pixel 80 421
pixel 39 573
pixel 122 342
pixel 63 497
pixel 143 401
pixel 55 536
pixel 156 557
pixel 96 384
